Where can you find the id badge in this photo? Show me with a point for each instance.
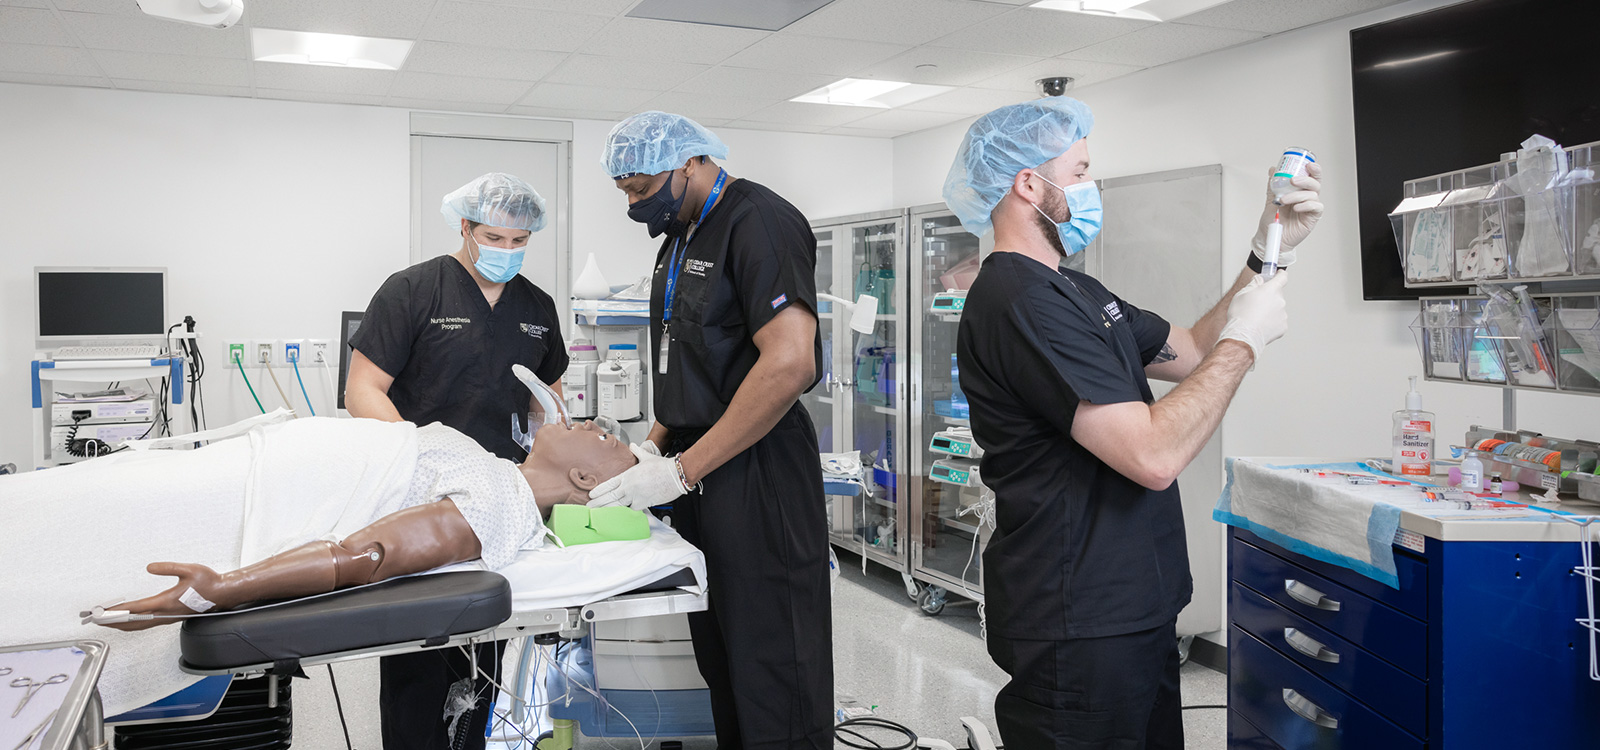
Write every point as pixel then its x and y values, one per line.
pixel 666 341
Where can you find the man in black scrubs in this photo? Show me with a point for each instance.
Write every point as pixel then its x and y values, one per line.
pixel 1087 569
pixel 436 345
pixel 735 344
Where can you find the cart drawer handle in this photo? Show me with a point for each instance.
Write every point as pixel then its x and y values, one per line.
pixel 1309 646
pixel 1309 596
pixel 1307 710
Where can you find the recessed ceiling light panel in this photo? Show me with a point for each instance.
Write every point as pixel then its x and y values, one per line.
pixel 337 50
pixel 870 92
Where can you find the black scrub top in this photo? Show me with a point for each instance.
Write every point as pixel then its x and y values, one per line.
pixel 752 258
pixel 430 327
pixel 1079 551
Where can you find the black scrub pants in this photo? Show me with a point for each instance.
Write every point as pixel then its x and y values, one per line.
pixel 765 645
pixel 1114 693
pixel 411 696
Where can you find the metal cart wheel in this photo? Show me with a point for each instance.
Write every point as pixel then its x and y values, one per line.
pixel 1184 642
pixel 932 600
pixel 913 586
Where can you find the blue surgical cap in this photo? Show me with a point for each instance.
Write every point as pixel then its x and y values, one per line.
pixel 656 142
pixel 1004 142
pixel 498 200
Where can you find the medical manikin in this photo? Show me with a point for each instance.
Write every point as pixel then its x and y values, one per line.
pixel 562 466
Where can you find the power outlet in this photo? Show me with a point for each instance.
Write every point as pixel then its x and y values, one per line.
pixel 317 352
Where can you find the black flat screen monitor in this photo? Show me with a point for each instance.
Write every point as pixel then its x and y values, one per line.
pixel 348 323
pixel 100 303
pixel 1454 88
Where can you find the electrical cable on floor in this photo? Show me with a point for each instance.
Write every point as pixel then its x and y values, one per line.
pixel 237 360
pixel 1188 708
pixel 847 727
pixel 296 364
pixel 339 705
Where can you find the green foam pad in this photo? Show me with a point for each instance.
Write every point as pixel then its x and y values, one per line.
pixel 580 524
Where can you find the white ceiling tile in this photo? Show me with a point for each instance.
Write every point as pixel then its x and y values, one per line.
pixel 490 62
pixel 648 40
pixel 593 70
pixel 705 107
pixel 320 97
pixel 147 66
pixel 593 7
pixel 433 87
pixel 814 54
pixel 895 21
pixel 1040 33
pixel 863 132
pixel 777 126
pixel 446 106
pixel 1164 43
pixel 1083 73
pixel 950 67
pixel 604 98
pixel 109 7
pixel 48 79
pixel 31 26
pixel 323 79
pixel 382 18
pixel 764 84
pixel 25 3
pixel 1274 16
pixel 511 27
pixel 168 87
pixel 803 113
pixel 568 114
pixel 968 101
pixel 146 34
pixel 906 120
pixel 34 58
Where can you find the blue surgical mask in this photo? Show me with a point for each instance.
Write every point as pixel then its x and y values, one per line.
pixel 498 265
pixel 1083 223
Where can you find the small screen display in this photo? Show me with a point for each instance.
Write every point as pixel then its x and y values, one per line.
pixel 101 303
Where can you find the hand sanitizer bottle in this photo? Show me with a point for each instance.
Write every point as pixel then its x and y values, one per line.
pixel 1413 437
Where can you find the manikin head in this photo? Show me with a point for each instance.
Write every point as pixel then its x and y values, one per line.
pixel 566 463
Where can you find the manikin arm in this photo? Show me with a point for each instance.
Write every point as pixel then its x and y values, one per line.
pixel 410 541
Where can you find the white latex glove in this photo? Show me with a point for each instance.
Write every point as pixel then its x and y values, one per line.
pixel 1298 213
pixel 1258 315
pixel 650 483
pixel 649 446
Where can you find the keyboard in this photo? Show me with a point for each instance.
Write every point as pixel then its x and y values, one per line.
pixel 131 351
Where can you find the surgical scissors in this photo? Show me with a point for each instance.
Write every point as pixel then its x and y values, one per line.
pixel 32 687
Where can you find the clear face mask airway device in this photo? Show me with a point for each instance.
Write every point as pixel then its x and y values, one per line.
pixel 555 412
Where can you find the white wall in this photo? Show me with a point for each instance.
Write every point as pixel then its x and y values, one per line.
pixel 1327 388
pixel 272 217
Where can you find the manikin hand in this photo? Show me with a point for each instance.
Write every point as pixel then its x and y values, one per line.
pixel 653 481
pixel 1258 315
pixel 1298 212
pixel 191 577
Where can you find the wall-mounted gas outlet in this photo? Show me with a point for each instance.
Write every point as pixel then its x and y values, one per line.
pixel 290 351
pixel 317 352
pixel 240 351
pixel 261 353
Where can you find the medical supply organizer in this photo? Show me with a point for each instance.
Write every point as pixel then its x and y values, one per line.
pixel 1481 645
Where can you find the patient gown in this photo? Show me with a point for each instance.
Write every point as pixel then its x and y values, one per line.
pixel 80 535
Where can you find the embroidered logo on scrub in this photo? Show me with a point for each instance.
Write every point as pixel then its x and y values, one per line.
pixel 449 324
pixel 1114 311
pixel 696 267
pixel 782 298
pixel 533 330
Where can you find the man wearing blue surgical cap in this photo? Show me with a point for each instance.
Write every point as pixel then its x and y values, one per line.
pixel 437 344
pixel 735 343
pixel 1087 569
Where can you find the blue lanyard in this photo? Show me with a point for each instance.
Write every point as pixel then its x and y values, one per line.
pixel 677 257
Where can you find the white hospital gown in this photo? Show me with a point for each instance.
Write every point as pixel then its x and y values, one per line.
pixel 488 490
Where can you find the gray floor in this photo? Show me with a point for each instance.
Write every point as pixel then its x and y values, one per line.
pixel 921 671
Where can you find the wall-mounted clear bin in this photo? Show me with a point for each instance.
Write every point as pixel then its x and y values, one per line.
pixel 1576 339
pixel 1442 331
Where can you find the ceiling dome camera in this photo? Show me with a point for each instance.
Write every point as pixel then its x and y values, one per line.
pixel 1054 85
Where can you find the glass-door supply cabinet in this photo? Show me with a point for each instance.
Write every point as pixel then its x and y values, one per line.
pixel 859 405
pixel 949 529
